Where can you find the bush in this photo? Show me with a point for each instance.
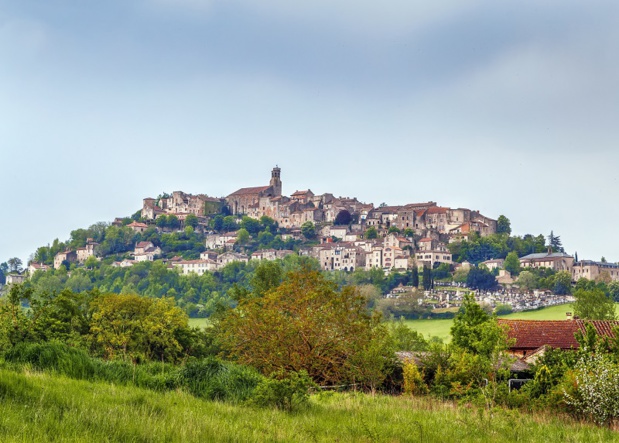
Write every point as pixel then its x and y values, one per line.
pixel 286 392
pixel 214 379
pixel 595 394
pixel 413 379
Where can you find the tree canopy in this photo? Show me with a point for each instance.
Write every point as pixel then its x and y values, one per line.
pixel 305 323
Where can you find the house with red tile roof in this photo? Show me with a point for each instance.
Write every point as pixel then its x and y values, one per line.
pixel 531 335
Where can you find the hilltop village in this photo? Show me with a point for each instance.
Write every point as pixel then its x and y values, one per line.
pixel 350 234
pixel 342 233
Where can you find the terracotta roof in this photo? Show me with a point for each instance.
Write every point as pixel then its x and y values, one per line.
pixel 143 244
pixel 436 210
pixel 301 192
pixel 424 240
pixel 249 191
pixel 137 225
pixel 532 334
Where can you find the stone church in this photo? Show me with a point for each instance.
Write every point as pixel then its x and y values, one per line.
pixel 242 200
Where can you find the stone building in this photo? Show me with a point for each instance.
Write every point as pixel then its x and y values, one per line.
pixel 241 201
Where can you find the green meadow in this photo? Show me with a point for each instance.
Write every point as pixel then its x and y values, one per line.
pixel 39 407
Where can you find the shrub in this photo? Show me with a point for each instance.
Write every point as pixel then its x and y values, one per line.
pixel 413 380
pixel 595 394
pixel 285 392
pixel 214 379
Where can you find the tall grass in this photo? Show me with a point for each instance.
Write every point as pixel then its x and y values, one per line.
pixel 39 407
pixel 209 378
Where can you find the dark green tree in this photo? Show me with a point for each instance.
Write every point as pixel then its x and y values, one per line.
pixel 415 277
pixel 482 279
pixel 512 263
pixel 503 225
pixel 343 218
pixel 308 230
pixel 371 233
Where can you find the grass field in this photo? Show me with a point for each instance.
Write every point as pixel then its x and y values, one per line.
pixel 37 407
pixel 198 322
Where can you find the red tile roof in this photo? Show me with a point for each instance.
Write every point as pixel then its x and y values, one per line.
pixel 532 334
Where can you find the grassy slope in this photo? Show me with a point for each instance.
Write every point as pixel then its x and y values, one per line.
pixel 41 408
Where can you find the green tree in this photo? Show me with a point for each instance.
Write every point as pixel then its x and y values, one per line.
pixel 308 230
pixel 527 281
pixel 503 225
pixel 427 278
pixel 15 264
pixel 191 220
pixel 242 236
pixel 307 324
pixel 593 305
pixel 229 223
pixel 482 279
pixel 133 327
pixel 371 233
pixel 562 283
pixel 415 277
pixel 251 225
pixel 512 263
pixel 554 242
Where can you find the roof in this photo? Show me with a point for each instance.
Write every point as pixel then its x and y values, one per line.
pixel 542 255
pixel 248 191
pixel 137 225
pixel 302 192
pixel 533 334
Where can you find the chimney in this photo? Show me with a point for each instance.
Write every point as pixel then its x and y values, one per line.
pixel 569 316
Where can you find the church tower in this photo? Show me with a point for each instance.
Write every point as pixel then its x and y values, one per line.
pixel 276 182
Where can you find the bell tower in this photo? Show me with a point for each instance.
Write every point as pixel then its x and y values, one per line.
pixel 276 182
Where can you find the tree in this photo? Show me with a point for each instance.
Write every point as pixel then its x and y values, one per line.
pixel 427 278
pixel 482 279
pixel 133 327
pixel 242 236
pixel 252 225
pixel 173 222
pixel 162 221
pixel 527 281
pixel 307 324
pixel 554 241
pixel 371 233
pixel 512 263
pixel 191 220
pixel 475 331
pixel 343 218
pixel 593 305
pixel 308 230
pixel 503 225
pixel 229 223
pixel 15 264
pixel 562 283
pixel 415 277
pixel 218 223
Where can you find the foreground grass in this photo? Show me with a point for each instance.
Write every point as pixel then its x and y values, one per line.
pixel 37 407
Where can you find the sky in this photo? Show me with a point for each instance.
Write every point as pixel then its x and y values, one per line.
pixel 505 107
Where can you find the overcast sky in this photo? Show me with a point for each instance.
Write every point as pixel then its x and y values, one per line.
pixel 507 107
